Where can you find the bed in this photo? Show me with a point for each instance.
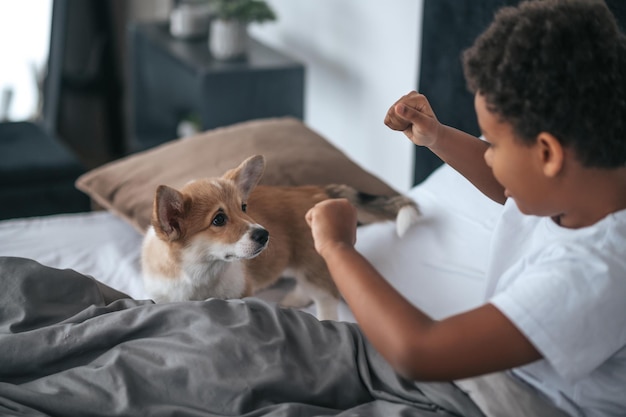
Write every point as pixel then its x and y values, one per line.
pixel 79 335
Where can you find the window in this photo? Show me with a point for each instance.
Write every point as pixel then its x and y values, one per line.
pixel 24 43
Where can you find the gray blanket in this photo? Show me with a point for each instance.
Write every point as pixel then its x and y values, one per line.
pixel 71 346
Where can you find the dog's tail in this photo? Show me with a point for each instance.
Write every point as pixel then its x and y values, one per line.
pixel 375 208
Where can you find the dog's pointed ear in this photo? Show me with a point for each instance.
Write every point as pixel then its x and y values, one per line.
pixel 248 174
pixel 169 211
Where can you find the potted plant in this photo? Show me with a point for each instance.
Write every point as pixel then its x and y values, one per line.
pixel 229 28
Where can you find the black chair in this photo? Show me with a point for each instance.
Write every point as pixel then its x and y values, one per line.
pixel 37 173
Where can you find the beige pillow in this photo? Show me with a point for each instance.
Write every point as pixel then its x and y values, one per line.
pixel 294 155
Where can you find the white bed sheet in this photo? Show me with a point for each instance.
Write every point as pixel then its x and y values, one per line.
pixel 439 265
pixel 97 243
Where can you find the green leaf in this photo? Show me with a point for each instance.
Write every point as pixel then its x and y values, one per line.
pixel 247 11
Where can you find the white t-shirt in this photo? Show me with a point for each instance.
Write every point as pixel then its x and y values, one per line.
pixel 565 289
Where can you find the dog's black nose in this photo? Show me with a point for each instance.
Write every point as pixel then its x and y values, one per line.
pixel 260 236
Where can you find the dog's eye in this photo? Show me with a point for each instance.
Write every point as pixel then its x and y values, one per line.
pixel 219 220
pixel 244 207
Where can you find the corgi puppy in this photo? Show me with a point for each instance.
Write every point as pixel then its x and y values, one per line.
pixel 226 237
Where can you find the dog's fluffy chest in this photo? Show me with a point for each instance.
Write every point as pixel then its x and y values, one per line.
pixel 193 277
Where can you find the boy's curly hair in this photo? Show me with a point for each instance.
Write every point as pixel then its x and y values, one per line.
pixel 556 66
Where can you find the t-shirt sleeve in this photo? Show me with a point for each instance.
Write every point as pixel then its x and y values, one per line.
pixel 571 304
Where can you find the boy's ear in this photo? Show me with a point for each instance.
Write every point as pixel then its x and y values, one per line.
pixel 551 154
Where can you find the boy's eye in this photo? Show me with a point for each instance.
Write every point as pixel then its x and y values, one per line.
pixel 219 220
pixel 244 207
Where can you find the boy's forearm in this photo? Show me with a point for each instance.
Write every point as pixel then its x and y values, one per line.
pixel 465 153
pixel 385 317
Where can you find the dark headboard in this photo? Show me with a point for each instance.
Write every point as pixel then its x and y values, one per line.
pixel 449 27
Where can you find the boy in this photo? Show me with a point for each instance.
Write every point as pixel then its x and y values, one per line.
pixel 549 79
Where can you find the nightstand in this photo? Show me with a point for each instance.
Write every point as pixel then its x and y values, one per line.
pixel 174 80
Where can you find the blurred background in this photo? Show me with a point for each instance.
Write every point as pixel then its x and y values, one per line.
pixel 68 65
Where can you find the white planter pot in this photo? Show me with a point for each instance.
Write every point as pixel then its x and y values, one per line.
pixel 190 21
pixel 228 39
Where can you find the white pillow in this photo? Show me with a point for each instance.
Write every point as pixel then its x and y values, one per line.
pixel 439 265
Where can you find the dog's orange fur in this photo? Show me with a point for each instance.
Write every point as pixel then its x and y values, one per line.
pixel 289 247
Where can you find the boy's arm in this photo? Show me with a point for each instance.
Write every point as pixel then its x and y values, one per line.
pixel 477 342
pixel 413 116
